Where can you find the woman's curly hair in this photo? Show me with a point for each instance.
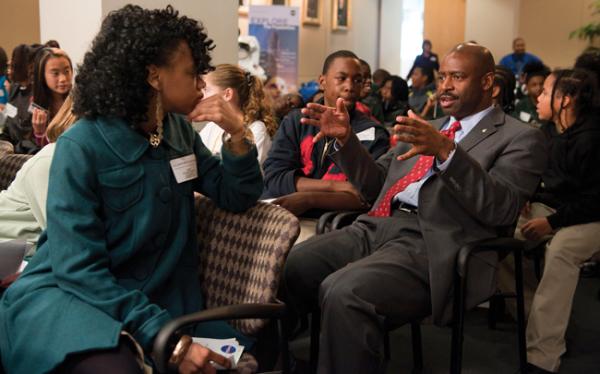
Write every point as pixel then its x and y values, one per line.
pixel 112 81
pixel 251 95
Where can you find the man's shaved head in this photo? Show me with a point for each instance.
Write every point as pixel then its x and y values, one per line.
pixel 483 57
pixel 466 80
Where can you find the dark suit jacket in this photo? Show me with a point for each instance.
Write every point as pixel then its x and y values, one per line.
pixel 493 172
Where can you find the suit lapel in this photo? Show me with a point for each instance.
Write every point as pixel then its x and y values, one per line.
pixel 398 169
pixel 486 127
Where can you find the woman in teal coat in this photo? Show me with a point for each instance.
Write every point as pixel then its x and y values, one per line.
pixel 118 259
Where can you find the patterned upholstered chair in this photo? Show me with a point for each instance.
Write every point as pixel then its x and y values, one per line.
pixel 10 163
pixel 241 258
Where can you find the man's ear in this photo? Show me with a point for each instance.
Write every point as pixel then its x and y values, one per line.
pixel 487 81
pixel 154 77
pixel 322 82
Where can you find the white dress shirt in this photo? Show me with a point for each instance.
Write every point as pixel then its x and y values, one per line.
pixel 410 195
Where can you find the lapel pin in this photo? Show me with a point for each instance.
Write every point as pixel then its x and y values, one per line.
pixel 484 130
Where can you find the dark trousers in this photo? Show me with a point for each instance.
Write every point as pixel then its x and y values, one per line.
pixel 119 360
pixel 365 277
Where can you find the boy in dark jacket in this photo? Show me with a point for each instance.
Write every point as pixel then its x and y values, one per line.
pixel 298 171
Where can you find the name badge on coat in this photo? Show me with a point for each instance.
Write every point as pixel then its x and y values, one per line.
pixel 184 168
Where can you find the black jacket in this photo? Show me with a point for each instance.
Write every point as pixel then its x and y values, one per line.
pixel 571 183
pixel 18 130
pixel 293 152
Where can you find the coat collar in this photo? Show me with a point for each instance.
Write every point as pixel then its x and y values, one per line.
pixel 122 139
pixel 179 141
pixel 129 145
pixel 486 127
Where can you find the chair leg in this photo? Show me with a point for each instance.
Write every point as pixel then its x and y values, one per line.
pixel 386 346
pixel 493 312
pixel 417 347
pixel 458 325
pixel 315 331
pixel 518 255
pixel 285 350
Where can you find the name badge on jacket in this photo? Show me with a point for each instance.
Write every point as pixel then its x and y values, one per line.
pixel 184 168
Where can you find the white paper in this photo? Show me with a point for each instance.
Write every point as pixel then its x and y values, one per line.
pixel 228 348
pixel 184 168
pixel 10 110
pixel 525 117
pixel 366 135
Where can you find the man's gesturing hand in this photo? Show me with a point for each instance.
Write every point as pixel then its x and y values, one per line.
pixel 332 122
pixel 426 140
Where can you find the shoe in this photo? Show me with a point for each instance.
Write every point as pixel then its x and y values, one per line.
pixel 532 369
pixel 299 366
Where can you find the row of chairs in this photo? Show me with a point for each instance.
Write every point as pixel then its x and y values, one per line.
pixel 241 258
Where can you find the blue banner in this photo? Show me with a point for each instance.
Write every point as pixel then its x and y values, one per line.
pixel 277 31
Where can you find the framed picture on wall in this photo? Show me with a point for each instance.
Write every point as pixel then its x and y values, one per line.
pixel 311 12
pixel 341 14
pixel 243 7
pixel 280 2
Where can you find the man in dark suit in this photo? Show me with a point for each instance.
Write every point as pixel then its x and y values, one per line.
pixel 395 264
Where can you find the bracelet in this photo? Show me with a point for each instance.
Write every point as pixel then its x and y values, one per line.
pixel 181 349
pixel 248 137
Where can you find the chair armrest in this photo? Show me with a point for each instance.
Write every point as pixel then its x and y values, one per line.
pixel 239 311
pixel 325 220
pixel 343 219
pixel 502 245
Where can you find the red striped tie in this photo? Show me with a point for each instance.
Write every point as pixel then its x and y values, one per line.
pixel 418 171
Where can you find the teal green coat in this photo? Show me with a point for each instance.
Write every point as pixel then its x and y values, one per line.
pixel 120 249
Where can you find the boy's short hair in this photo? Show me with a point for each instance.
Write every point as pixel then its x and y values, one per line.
pixel 535 69
pixel 337 54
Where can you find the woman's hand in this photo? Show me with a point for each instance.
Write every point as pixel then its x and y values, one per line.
pixel 223 113
pixel 198 360
pixel 39 121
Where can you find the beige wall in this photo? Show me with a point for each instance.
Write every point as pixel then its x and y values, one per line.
pixel 493 24
pixel 84 16
pixel 390 31
pixel 444 24
pixel 546 24
pixel 218 16
pixel 20 23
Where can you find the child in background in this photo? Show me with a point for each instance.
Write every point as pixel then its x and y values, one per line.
pixel 52 82
pixel 423 87
pixel 245 92
pixel 503 93
pixel 369 97
pixel 394 93
pixel 525 109
pixel 285 104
